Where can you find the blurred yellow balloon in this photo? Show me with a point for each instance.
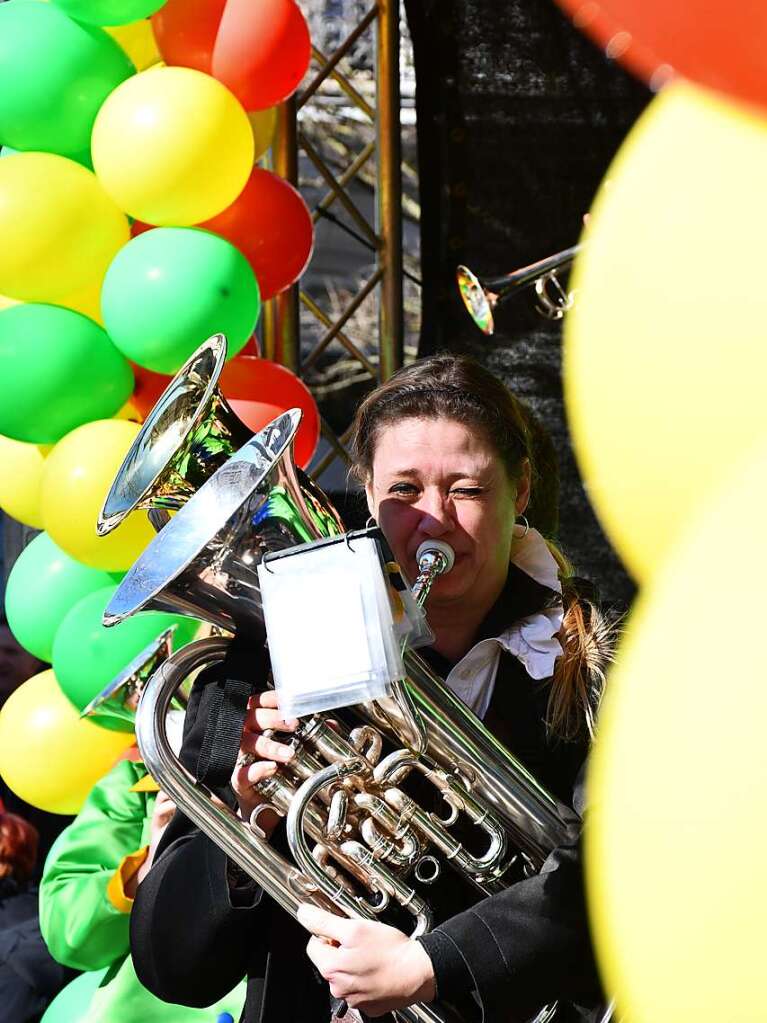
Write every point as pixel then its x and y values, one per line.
pixel 665 353
pixel 86 301
pixel 60 229
pixel 676 840
pixel 138 41
pixel 21 474
pixel 263 123
pixel 78 474
pixel 172 146
pixel 48 755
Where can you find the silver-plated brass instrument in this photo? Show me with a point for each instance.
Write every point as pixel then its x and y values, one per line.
pixel 115 706
pixel 359 842
pixel 481 295
pixel 190 432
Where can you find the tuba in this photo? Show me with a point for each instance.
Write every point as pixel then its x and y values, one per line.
pixel 482 295
pixel 189 433
pixel 359 843
pixel 115 706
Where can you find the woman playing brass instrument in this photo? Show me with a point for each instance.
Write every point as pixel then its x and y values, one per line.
pixel 443 450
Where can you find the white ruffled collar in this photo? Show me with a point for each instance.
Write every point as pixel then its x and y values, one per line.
pixel 531 554
pixel 533 639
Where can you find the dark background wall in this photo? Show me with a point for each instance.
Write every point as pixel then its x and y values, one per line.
pixel 518 119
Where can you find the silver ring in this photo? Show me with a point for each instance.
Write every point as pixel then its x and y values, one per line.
pixel 245 760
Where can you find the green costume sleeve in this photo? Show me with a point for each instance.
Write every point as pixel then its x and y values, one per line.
pixel 82 925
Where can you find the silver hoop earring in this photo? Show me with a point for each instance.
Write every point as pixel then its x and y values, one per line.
pixel 523 519
pixel 370 522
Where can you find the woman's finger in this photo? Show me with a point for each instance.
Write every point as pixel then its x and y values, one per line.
pixel 266 699
pixel 323 955
pixel 324 924
pixel 261 718
pixel 244 778
pixel 266 748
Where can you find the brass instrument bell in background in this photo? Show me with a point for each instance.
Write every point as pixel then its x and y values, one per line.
pixel 481 295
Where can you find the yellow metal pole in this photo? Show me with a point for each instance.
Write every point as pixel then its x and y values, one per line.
pixel 281 315
pixel 389 192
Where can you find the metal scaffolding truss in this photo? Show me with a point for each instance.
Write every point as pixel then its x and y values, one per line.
pixel 363 33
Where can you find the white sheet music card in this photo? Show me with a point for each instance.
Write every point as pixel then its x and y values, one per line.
pixel 329 627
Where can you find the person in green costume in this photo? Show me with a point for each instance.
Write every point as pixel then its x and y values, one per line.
pixel 86 896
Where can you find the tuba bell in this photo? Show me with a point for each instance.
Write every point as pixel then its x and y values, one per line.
pixel 115 706
pixel 481 295
pixel 203 562
pixel 189 433
pixel 358 841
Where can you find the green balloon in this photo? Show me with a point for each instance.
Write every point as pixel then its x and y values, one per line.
pixel 169 289
pixel 71 1003
pixel 54 75
pixel 43 587
pixel 87 656
pixel 58 370
pixel 109 12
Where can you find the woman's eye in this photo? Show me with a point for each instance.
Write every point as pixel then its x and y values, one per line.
pixel 467 491
pixel 402 488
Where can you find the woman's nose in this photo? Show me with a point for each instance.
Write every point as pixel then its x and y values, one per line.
pixel 436 518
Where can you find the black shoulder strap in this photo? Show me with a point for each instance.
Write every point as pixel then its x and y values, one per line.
pixel 239 679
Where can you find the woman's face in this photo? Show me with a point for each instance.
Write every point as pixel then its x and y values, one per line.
pixel 439 479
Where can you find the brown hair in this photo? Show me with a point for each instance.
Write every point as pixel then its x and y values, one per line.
pixel 18 847
pixel 458 388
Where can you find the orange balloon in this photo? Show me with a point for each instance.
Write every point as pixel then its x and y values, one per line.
pixel 272 227
pixel 259 390
pixel 262 51
pixel 716 44
pixel 185 31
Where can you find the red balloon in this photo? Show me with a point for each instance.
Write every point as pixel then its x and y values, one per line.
pixel 262 51
pixel 271 225
pixel 252 347
pixel 149 387
pixel 259 390
pixel 138 227
pixel 717 44
pixel 185 31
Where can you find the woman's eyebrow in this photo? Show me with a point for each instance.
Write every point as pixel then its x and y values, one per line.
pixel 476 472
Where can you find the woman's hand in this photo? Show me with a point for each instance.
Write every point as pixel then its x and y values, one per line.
pixel 260 755
pixel 376 968
pixel 164 808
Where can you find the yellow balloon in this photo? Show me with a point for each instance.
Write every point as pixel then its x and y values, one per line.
pixel 138 41
pixel 49 756
pixel 78 474
pixel 86 301
pixel 172 146
pixel 676 841
pixel 60 229
pixel 263 123
pixel 21 473
pixel 665 352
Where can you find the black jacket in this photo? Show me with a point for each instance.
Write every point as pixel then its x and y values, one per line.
pixel 195 931
pixel 29 976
